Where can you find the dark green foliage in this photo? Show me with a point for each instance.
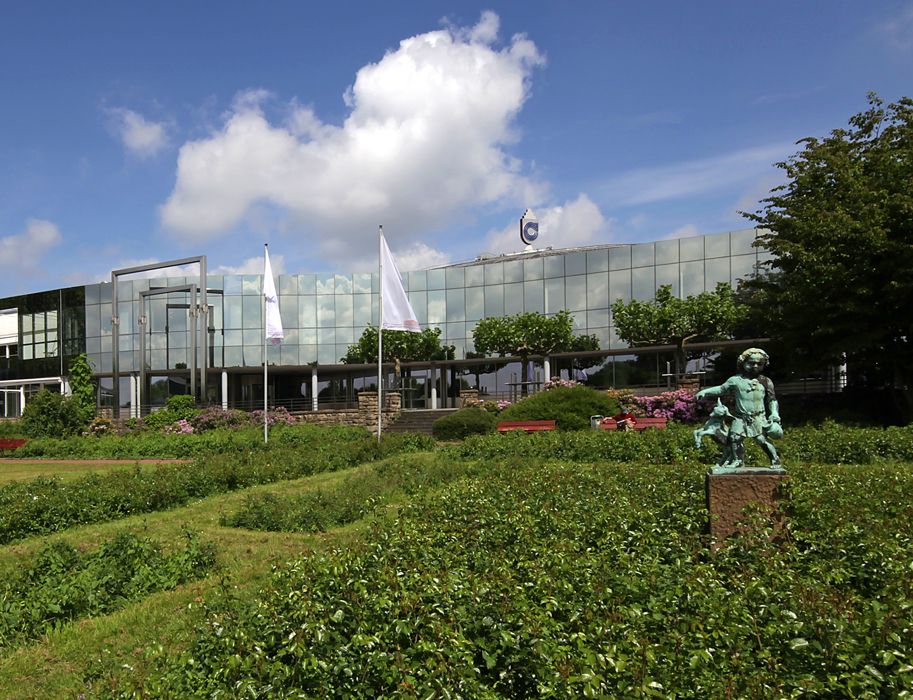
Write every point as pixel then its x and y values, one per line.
pixel 82 386
pixel 356 497
pixel 179 407
pixel 402 345
pixel 570 406
pixel 11 428
pixel 49 414
pixel 548 580
pixel 49 505
pixel 472 420
pixel 64 584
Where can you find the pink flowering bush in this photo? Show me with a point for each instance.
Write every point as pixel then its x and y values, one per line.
pixel 277 416
pixel 676 405
pixel 181 427
pixel 555 382
pixel 502 404
pixel 216 417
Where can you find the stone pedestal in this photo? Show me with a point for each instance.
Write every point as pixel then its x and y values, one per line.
pixel 728 495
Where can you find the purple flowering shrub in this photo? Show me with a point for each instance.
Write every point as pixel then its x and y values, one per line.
pixel 216 417
pixel 556 382
pixel 277 416
pixel 676 405
pixel 181 427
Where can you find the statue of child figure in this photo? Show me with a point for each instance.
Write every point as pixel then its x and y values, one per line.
pixel 755 412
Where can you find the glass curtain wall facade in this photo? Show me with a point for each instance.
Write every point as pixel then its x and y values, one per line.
pixel 324 313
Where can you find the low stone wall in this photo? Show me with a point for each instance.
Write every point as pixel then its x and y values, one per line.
pixel 331 417
pixel 365 415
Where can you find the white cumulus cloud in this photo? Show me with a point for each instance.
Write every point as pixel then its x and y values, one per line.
pixel 426 137
pixel 253 266
pixel 25 251
pixel 139 136
pixel 575 223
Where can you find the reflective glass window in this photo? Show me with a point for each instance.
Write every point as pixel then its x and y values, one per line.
pixel 455 277
pixel 307 311
pixel 620 257
pixel 513 271
pixel 92 296
pixel 437 306
pixel 743 267
pixel 494 273
pixel 288 284
pixel 513 298
pixel 93 346
pixel 288 309
pixel 579 320
pixel 691 248
pixel 253 355
pixel 233 317
pixel 532 269
pixel 716 246
pixel 575 292
pixel 435 279
pixel 597 318
pixel 93 321
pixel 597 290
pixel 455 331
pixel 692 278
pixel 307 353
pixel 344 309
pixel 666 251
pixel 361 310
pixel 475 303
pixel 251 311
pixel 289 354
pixel 741 241
pixel 343 284
pixel 307 284
pixel 667 274
pixel 345 335
pixel 252 284
pixel 212 282
pixel 554 266
pixel 177 356
pixel 251 336
pixel 716 270
pixel 307 336
pixel 326 336
pixel 597 260
pixel 326 283
pixel 494 300
pixel 475 276
pixel 643 283
pixel 326 354
pixel 554 295
pixel 326 311
pixel 233 284
pixel 104 295
pixel 234 356
pixel 456 307
pixel 361 283
pixel 418 280
pixel 620 285
pixel 575 264
pixel 533 296
pixel 233 337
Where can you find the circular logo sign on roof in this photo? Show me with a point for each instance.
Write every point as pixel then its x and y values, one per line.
pixel 529 228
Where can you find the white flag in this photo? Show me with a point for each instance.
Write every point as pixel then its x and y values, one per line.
pixel 274 330
pixel 397 312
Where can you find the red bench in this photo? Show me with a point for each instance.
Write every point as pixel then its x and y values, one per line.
pixel 11 443
pixel 639 423
pixel 529 426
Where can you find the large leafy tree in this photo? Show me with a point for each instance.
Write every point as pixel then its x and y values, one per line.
pixel 523 335
pixel 840 232
pixel 402 345
pixel 669 320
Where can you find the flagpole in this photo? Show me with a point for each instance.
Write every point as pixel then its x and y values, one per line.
pixel 265 407
pixel 380 326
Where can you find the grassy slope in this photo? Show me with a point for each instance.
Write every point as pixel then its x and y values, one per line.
pixel 57 665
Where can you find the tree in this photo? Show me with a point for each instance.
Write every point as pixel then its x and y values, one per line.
pixel 402 345
pixel 668 320
pixel 82 386
pixel 840 233
pixel 523 335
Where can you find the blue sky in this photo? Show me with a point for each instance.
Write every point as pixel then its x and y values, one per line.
pixel 145 131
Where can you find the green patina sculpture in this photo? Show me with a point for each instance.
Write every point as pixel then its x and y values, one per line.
pixel 754 413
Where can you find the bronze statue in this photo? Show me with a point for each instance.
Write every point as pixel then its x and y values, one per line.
pixel 753 413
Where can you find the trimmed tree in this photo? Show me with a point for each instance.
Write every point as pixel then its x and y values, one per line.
pixel 668 320
pixel 402 345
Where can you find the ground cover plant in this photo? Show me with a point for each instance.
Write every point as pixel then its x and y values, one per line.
pixel 472 420
pixel 355 497
pixel 46 505
pixel 63 584
pixel 546 579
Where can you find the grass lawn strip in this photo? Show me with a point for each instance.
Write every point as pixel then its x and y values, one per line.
pixel 118 643
pixel 67 470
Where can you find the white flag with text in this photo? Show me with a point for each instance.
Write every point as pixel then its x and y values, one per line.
pixel 273 324
pixel 398 314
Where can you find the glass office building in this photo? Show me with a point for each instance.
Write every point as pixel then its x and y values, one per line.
pixel 324 313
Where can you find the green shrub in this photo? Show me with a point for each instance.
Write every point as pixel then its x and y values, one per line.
pixel 49 414
pixel 11 428
pixel 182 405
pixel 571 407
pixel 466 421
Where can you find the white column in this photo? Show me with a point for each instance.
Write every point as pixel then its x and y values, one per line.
pixel 434 388
pixel 65 387
pixel 224 390
pixel 22 399
pixel 314 390
pixel 134 396
pixel 547 369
